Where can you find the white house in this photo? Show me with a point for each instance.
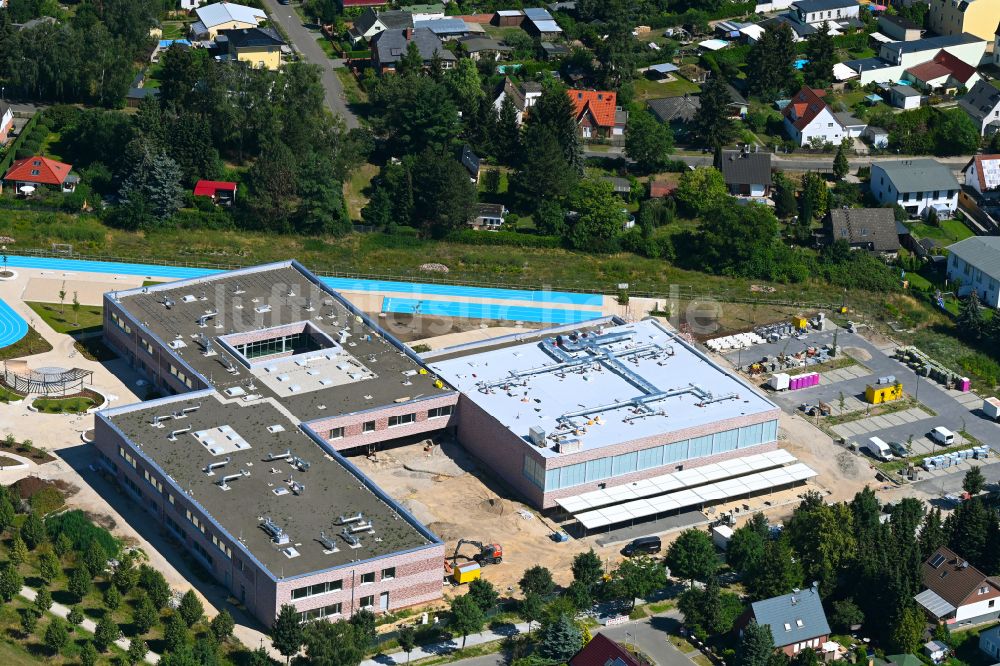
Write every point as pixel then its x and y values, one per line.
pixel 524 96
pixel 982 103
pixel 818 12
pixel 956 592
pixel 982 174
pixel 916 185
pixel 224 16
pixel 808 116
pixel 371 22
pixel 188 5
pixel 989 643
pixel 895 58
pixel 975 262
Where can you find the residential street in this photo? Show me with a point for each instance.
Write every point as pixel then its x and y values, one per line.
pixel 304 42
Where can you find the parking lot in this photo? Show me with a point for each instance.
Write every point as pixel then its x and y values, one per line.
pixel 936 406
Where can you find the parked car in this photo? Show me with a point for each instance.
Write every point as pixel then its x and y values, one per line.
pixel 649 545
pixel 899 450
pixel 942 436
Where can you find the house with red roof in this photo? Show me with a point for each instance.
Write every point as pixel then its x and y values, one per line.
pixel 944 71
pixel 808 117
pixel 219 191
pixel 602 651
pixel 598 115
pixel 35 172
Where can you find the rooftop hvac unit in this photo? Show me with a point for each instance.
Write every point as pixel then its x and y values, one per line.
pixel 571 445
pixel 537 435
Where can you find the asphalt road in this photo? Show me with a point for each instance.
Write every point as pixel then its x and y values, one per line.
pixel 952 483
pixel 304 42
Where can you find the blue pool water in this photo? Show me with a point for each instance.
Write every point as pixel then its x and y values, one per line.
pixel 12 326
pixel 487 311
pixel 800 63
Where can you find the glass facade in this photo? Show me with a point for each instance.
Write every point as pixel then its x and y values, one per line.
pixel 657 456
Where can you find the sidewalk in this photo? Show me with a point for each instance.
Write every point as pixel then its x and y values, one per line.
pixel 87 624
pixel 438 649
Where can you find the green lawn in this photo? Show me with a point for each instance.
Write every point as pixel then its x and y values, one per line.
pixel 15 655
pixel 354 189
pixel 327 47
pixel 63 319
pixel 76 405
pixel 352 91
pixel 32 343
pixel 647 89
pixel 174 29
pixel 6 395
pixel 949 231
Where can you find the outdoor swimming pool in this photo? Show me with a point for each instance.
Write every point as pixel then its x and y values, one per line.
pixel 487 311
pixel 12 326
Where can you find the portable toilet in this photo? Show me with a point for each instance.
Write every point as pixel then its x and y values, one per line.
pixel 466 572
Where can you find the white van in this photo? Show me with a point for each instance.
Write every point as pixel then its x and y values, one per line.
pixel 943 436
pixel 877 448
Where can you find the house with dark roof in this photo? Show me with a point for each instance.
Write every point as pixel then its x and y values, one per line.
pixel 870 229
pixel 899 28
pixel 982 103
pixel 598 115
pixel 982 174
pixel 797 620
pixel 675 111
pixel 917 185
pixel 260 48
pixel 38 171
pixel 808 117
pixel 389 47
pixel 955 592
pixel 487 217
pixel 747 174
pixel 372 22
pixel 540 23
pixel 904 97
pixel 523 94
pixel 602 651
pixel 471 162
pixel 975 262
pixel 483 48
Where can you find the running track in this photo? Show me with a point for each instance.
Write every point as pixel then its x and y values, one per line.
pixel 12 326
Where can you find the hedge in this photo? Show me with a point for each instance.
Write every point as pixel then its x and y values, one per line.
pixel 513 238
pixel 12 150
pixel 81 531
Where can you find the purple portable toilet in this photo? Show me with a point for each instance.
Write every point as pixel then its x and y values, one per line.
pixel 964 384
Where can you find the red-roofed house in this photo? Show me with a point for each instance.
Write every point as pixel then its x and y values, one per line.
pixel 602 651
pixel 219 191
pixel 362 3
pixel 598 115
pixel 661 188
pixel 809 117
pixel 943 71
pixel 38 171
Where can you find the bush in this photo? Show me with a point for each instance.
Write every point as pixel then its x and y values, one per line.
pixel 81 531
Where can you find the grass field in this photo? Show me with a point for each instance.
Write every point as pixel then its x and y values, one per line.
pixel 949 231
pixel 647 89
pixel 6 395
pixel 354 189
pixel 15 655
pixel 63 319
pixel 76 405
pixel 32 343
pixel 352 91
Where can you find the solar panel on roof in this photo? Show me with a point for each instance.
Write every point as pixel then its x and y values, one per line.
pixel 937 560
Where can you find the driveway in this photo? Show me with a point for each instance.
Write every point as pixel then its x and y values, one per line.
pixel 304 42
pixel 649 636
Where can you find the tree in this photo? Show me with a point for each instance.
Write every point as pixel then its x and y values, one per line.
pixel 274 185
pixel 648 141
pixel 507 132
pixel 602 216
pixel 286 634
pixel 772 60
pixel 560 640
pixel 332 644
pixel 407 638
pixel 756 645
pixel 88 654
pixel 33 531
pixel 536 580
pixel 411 62
pixel 484 594
pixel 222 625
pixel 94 558
pixel 18 551
pixel 530 608
pixel 190 608
pixel 840 165
pixel 155 585
pixel 153 181
pixel 48 566
pixel 105 633
pixel 970 317
pixel 466 616
pixel 932 535
pixel 777 573
pixel 43 600
pixel 544 174
pixel 823 538
pixel 712 126
pixel 136 651
pixel 907 629
pixel 417 113
pixel 126 575
pixel 785 204
pixel 746 547
pixel 10 582
pixel 820 56
pixel 443 196
pixel 259 657
pixel 587 568
pixel 112 598
pixel 75 616
pixel 175 632
pixel 955 134
pixel 62 300
pixel 700 189
pixel 638 577
pixel 845 614
pixel 56 636
pixel 974 481
pixel 968 529
pixel 692 556
pixel 815 197
pixel 29 621
pixel 555 112
pixel 144 614
pixel 6 514
pixel 363 622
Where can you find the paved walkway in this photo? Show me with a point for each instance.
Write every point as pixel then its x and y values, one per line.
pixel 437 649
pixel 87 624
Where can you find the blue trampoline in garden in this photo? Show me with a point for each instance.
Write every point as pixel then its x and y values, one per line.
pixel 12 326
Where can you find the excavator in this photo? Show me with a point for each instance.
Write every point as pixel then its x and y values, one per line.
pixel 489 553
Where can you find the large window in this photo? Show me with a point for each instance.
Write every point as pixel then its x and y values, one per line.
pixel 320 613
pixel 439 412
pixel 367 578
pixel 395 421
pixel 318 588
pixel 535 471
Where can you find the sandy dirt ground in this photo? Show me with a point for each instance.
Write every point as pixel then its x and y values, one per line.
pixel 88 291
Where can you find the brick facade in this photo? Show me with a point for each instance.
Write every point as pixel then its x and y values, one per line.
pixel 354 424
